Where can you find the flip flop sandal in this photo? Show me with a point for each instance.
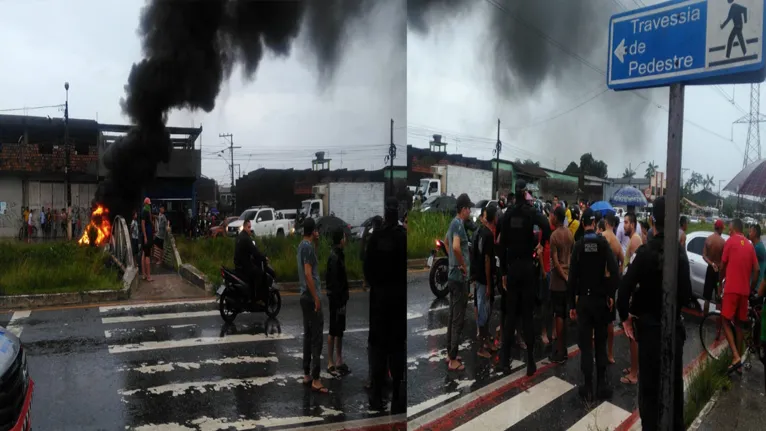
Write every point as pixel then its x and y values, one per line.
pixel 320 390
pixel 734 367
pixel 626 381
pixel 486 353
pixel 461 367
pixel 343 368
pixel 625 371
pixel 458 358
pixel 332 370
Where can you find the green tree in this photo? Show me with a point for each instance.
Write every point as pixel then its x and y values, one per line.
pixel 591 166
pixel 628 173
pixel 572 169
pixel 651 169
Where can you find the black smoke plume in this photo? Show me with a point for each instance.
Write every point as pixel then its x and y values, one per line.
pixel 190 48
pixel 558 45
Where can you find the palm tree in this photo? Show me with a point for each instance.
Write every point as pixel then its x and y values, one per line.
pixel 651 169
pixel 708 182
pixel 628 173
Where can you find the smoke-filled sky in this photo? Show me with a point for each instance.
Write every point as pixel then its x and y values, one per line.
pixel 539 67
pixel 280 118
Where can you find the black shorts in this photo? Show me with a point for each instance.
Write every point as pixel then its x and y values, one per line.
pixel 160 243
pixel 559 304
pixel 711 283
pixel 337 318
pixel 147 249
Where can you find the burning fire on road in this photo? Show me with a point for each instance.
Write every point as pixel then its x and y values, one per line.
pixel 99 228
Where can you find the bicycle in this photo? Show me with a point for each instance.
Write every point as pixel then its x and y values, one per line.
pixel 712 324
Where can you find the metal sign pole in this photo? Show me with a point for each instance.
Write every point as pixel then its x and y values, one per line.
pixel 670 265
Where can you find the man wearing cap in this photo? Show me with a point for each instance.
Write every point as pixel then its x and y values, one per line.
pixel 645 307
pixel 590 300
pixel 457 279
pixel 712 252
pixel 518 248
pixel 385 270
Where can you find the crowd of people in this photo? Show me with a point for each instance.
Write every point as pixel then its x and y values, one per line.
pixel 50 223
pixel 577 264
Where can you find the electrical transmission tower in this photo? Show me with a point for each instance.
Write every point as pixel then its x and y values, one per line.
pixel 753 120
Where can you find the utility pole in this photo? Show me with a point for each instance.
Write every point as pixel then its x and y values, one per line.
pixel 390 158
pixel 66 147
pixel 498 147
pixel 230 137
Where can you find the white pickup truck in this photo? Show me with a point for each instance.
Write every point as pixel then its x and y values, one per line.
pixel 263 221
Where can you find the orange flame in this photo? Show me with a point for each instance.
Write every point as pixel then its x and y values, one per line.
pixel 98 219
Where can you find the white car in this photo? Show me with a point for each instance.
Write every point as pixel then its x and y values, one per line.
pixel 695 242
pixel 263 222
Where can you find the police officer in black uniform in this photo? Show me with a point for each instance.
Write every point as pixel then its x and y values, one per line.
pixel 385 268
pixel 641 313
pixel 590 302
pixel 518 244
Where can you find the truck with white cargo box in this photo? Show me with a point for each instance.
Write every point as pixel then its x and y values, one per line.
pixel 351 202
pixel 456 180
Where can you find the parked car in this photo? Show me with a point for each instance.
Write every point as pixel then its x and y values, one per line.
pixel 695 242
pixel 16 386
pixel 220 228
pixel 263 220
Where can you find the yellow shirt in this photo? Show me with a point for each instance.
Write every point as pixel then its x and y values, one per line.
pixel 573 225
pixel 26 215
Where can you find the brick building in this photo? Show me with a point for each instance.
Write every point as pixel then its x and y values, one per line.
pixel 33 165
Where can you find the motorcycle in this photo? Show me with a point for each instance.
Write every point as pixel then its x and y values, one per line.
pixel 437 277
pixel 235 296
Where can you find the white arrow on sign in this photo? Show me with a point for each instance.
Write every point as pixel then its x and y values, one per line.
pixel 620 51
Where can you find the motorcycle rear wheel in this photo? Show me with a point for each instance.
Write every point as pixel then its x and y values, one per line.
pixel 274 304
pixel 228 313
pixel 437 278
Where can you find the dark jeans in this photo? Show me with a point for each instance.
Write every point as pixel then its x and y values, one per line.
pixel 520 301
pixel 313 325
pixel 383 358
pixel 648 336
pixel 458 299
pixel 592 319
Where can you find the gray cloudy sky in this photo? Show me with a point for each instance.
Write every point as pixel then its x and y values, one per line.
pixel 279 119
pixel 450 91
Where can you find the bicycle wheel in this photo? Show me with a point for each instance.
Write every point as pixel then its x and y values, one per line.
pixel 712 333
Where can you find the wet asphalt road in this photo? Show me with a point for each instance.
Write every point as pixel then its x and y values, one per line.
pixel 177 366
pixel 431 387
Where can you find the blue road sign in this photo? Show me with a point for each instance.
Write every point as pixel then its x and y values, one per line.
pixel 690 41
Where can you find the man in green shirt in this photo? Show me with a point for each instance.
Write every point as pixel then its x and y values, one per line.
pixel 457 280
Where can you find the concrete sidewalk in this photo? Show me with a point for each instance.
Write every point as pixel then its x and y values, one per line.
pixel 742 407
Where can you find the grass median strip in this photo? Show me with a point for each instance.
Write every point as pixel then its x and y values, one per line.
pixel 54 267
pixel 707 380
pixel 209 254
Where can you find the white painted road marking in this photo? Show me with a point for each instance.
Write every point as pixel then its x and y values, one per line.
pixel 427 404
pixel 165 316
pixel 176 389
pixel 164 367
pixel 14 327
pixel 513 411
pixel 196 342
pixel 606 416
pixel 127 307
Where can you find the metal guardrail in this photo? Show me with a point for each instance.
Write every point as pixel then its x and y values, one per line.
pixel 119 243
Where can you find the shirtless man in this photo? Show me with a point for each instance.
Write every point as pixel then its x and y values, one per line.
pixel 712 253
pixel 614 243
pixel 631 374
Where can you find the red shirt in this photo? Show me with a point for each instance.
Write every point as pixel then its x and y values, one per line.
pixel 740 260
pixel 547 253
